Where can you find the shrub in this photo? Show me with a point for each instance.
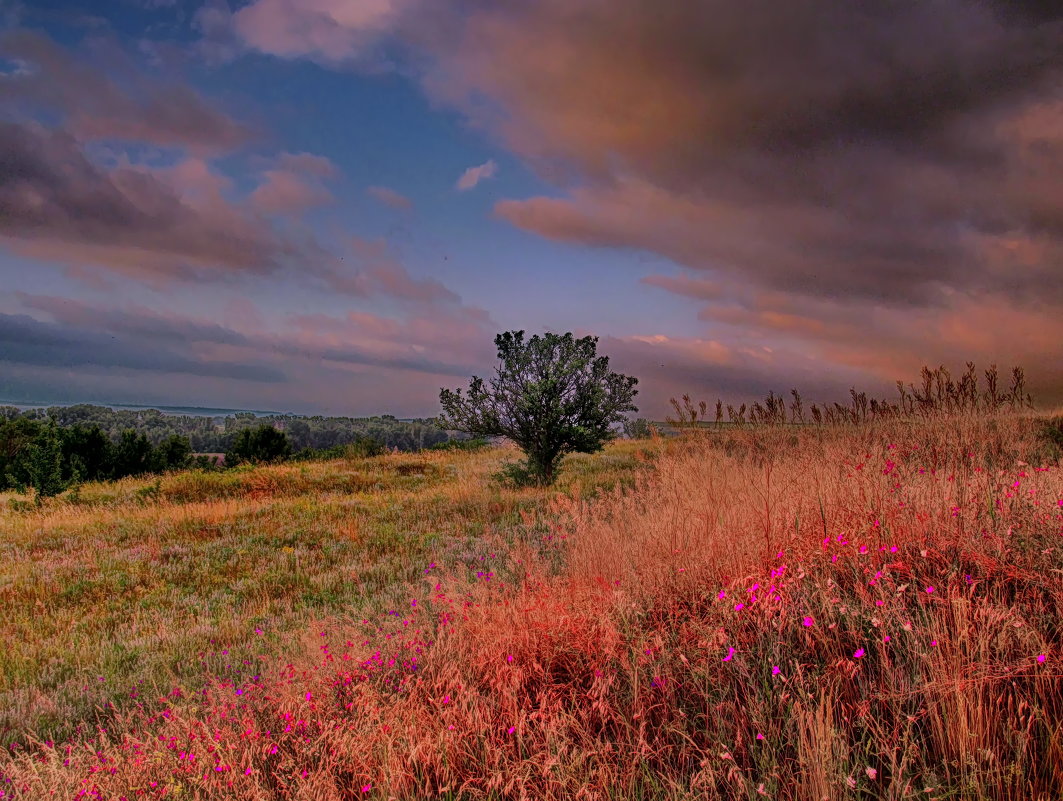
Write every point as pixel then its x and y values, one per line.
pixel 263 443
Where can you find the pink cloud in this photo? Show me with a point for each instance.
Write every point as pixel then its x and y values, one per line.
pixel 326 30
pixel 473 175
pixel 389 197
pixel 130 104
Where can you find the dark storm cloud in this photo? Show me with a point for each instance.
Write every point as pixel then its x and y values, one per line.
pixel 25 340
pixel 169 333
pixel 138 323
pixel 823 146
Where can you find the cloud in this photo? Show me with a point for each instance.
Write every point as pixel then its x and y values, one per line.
pixel 867 157
pixel 25 340
pixel 389 197
pixel 431 342
pixel 93 105
pixel 472 176
pixel 871 156
pixel 294 184
pixel 132 322
pixel 109 167
pixel 380 273
pixel 56 204
pixel 683 285
pixel 330 31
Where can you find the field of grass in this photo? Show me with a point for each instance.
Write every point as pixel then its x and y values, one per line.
pixel 851 612
pixel 125 591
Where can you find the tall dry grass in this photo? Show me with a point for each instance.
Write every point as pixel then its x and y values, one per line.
pixel 840 613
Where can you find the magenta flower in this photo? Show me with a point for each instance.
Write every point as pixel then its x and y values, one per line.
pixel 1041 657
pixel 808 620
pixel 775 670
pixel 730 653
pixel 858 653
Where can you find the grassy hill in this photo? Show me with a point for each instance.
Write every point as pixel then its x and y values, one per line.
pixel 836 612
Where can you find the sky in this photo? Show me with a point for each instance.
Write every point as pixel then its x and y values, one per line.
pixel 333 206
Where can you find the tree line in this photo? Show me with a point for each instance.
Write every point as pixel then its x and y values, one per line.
pixel 48 451
pixel 216 434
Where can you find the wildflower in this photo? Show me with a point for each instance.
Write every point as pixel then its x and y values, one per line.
pixel 366 788
pixel 807 621
pixel 858 653
pixel 871 772
pixel 775 670
pixel 760 736
pixel 1041 657
pixel 929 590
pixel 730 653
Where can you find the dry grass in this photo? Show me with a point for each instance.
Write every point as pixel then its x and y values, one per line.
pixel 854 613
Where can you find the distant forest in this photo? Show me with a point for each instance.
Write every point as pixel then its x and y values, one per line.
pixel 216 434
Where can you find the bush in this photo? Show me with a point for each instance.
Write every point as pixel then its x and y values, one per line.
pixel 517 474
pixel 474 444
pixel 261 444
pixel 639 428
pixel 1051 437
pixel 358 449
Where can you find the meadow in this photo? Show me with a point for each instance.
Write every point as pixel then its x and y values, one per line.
pixel 850 611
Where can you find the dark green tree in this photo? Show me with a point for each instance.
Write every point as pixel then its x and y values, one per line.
pixel 133 455
pixel 551 395
pixel 38 464
pixel 173 453
pixel 87 453
pixel 263 443
pixel 16 434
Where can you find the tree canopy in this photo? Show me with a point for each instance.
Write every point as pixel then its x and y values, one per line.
pixel 551 395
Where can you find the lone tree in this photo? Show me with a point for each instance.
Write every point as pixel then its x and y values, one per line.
pixel 551 394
